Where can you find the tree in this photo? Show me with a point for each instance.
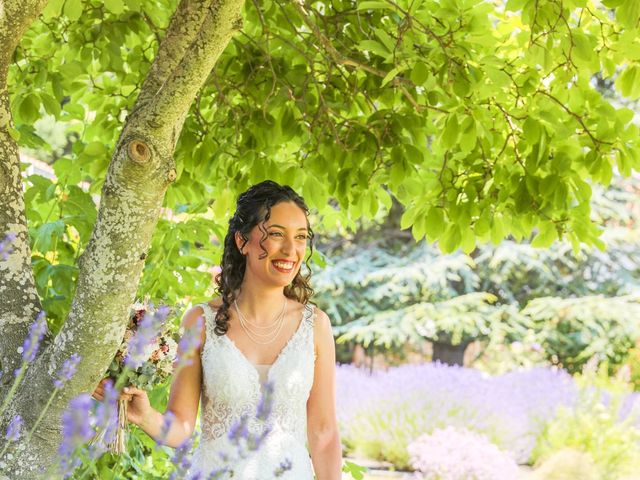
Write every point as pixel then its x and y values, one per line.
pixel 140 170
pixel 480 119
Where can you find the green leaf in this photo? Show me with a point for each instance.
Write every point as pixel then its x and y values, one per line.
pixel 51 105
pixel 13 133
pixel 356 471
pixel 373 5
pixel 397 173
pixel 531 130
pixel 468 241
pixel 53 9
pixel 413 154
pixel 469 137
pixel 583 47
pixel 435 223
pixel 114 6
pixel 546 236
pixel 374 47
pixel 73 9
pixel 450 241
pixel 391 75
pixel 29 109
pixel 450 133
pixel 628 14
pixel 46 235
pixel 628 83
pixel 514 5
pixel 408 217
pixel 419 73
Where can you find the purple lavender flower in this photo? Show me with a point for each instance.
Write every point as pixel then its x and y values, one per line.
pixel 32 342
pixel 381 413
pixel 284 467
pixel 182 460
pixel 106 417
pixel 167 421
pixel 239 430
pixel 265 405
pixel 189 342
pixel 145 335
pixel 218 473
pixel 76 431
pixel 14 430
pixel 5 245
pixel 68 370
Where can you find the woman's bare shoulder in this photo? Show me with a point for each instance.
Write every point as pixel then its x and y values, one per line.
pixel 215 303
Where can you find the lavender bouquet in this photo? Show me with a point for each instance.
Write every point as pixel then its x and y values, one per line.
pixel 145 359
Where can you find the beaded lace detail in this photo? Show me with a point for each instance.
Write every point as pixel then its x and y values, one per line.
pixel 231 385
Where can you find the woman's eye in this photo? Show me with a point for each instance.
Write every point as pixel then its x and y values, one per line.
pixel 275 234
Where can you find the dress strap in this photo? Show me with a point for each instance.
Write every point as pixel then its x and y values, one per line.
pixel 209 317
pixel 309 314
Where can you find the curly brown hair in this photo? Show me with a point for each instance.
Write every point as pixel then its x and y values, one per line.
pixel 254 208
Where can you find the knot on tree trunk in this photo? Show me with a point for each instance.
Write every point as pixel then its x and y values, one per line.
pixel 171 176
pixel 139 151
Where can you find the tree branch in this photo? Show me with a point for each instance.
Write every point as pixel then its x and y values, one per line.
pixel 183 29
pixel 173 99
pixel 16 16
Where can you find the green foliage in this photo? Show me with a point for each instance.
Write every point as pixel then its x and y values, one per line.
pixel 61 217
pixel 594 426
pixel 356 471
pixel 457 321
pixel 179 263
pixel 574 330
pixel 512 292
pixel 401 109
pixel 478 131
pixel 633 362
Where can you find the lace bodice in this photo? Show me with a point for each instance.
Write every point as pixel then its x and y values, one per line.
pixel 231 388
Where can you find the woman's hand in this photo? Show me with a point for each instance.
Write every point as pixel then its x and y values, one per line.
pixel 138 407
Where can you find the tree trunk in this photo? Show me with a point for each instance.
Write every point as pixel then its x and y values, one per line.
pixel 19 305
pixel 139 173
pixel 449 354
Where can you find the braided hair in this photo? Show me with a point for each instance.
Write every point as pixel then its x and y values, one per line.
pixel 254 208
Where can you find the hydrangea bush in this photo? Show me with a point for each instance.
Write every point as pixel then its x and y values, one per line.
pixel 459 454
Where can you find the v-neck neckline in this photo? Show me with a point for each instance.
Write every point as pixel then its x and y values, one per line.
pixel 280 353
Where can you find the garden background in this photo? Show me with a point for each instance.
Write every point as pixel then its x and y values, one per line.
pixel 470 166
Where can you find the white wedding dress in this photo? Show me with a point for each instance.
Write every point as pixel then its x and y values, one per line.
pixel 231 389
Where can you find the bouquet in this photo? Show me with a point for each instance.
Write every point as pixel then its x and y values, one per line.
pixel 145 359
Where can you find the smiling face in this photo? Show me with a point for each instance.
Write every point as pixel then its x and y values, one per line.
pixel 285 245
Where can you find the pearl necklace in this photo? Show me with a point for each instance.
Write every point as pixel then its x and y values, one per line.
pixel 269 336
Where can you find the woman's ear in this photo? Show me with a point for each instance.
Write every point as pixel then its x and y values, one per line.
pixel 239 242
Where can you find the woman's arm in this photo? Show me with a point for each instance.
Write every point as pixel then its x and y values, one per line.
pixel 322 424
pixel 184 398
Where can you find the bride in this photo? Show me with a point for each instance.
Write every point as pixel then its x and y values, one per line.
pixel 261 329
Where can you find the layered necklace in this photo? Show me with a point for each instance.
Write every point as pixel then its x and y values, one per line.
pixel 262 334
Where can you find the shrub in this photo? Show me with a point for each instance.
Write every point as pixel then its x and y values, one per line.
pixel 604 423
pixel 460 454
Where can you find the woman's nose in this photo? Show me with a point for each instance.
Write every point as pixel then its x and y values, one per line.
pixel 287 246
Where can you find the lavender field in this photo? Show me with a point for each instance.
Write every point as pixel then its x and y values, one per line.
pixel 452 422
